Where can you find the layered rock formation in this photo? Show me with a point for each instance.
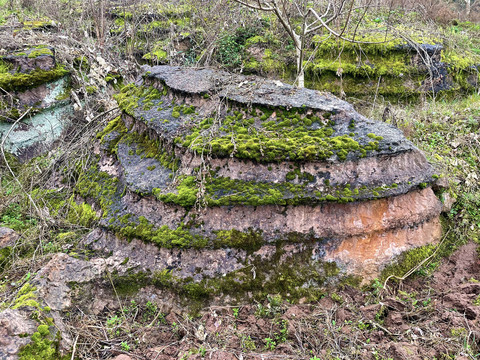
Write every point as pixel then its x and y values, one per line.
pixel 241 183
pixel 36 89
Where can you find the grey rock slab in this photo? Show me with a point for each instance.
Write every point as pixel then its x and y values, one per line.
pixel 14 324
pixel 244 89
pixel 254 90
pixel 148 257
pixel 52 281
pixel 142 174
pixel 159 117
pixel 23 63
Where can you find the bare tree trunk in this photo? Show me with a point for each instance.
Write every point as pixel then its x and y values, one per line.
pixel 300 70
pixel 468 5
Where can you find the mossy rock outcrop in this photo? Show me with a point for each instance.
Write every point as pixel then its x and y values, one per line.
pixel 35 88
pixel 246 184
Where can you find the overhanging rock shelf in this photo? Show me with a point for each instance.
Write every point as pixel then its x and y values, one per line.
pixel 259 177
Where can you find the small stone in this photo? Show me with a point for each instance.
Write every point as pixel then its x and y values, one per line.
pixel 447 201
pixel 440 184
pixel 403 351
pixel 122 357
pixel 7 237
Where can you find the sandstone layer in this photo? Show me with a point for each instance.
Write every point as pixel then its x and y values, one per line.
pixel 255 182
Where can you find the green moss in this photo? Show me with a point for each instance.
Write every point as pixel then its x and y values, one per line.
pixel 145 147
pixel 4 67
pixel 39 52
pixel 36 24
pixel 195 291
pixel 158 54
pixel 91 89
pixel 375 137
pixel 98 185
pixel 255 40
pixel 60 205
pixel 129 284
pixel 374 43
pixel 43 346
pixel 185 196
pixel 459 62
pixel 26 297
pixel 164 237
pixel 250 240
pixel 16 82
pixel 114 78
pixel 392 88
pixel 114 125
pixel 131 96
pixel 221 191
pixel 288 136
pixel 81 214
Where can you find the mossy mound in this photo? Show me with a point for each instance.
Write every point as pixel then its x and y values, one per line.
pixel 204 160
pixel 378 63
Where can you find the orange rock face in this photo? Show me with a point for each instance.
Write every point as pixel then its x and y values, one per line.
pixel 417 224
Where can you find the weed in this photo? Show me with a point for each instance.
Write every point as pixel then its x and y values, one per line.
pixel 337 298
pixel 476 302
pixel 281 336
pixel 247 343
pixel 229 51
pixel 235 313
pixel 270 344
pixel 113 325
pixel 363 326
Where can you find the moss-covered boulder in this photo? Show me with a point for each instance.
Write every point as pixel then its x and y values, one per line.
pixel 247 184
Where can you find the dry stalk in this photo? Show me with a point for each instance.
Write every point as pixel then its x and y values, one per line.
pixel 412 270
